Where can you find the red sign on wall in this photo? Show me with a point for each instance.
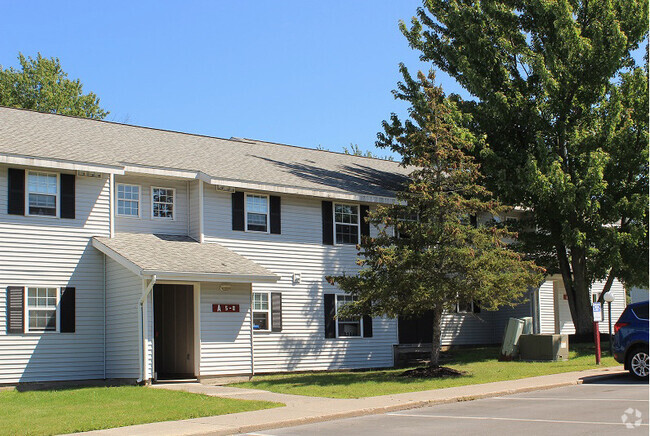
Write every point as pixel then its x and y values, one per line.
pixel 225 307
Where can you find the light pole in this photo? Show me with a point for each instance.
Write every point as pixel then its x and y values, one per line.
pixel 609 297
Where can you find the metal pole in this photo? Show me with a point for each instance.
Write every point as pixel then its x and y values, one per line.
pixel 597 341
pixel 609 319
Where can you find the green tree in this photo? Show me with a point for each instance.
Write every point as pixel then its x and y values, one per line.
pixel 429 253
pixel 42 85
pixel 565 113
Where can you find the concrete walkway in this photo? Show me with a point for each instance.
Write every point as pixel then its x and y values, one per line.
pixel 302 410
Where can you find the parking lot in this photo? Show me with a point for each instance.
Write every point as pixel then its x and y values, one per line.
pixel 613 406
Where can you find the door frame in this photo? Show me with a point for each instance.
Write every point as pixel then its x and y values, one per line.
pixel 196 295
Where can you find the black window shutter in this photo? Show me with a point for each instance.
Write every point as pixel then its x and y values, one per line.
pixel 276 312
pixel 276 216
pixel 67 196
pixel 477 307
pixel 367 326
pixel 16 194
pixel 328 224
pixel 473 221
pixel 330 313
pixel 67 305
pixel 238 211
pixel 15 309
pixel 365 226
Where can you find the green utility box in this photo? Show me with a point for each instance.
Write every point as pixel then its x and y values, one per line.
pixel 544 347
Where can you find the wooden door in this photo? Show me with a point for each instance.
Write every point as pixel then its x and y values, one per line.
pixel 174 331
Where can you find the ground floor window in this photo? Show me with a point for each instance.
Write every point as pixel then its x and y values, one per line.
pixel 41 309
pixel 347 327
pixel 261 311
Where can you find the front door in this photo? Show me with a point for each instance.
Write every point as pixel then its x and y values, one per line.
pixel 174 331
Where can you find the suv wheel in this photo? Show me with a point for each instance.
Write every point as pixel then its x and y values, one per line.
pixel 637 362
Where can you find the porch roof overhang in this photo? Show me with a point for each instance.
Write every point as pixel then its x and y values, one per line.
pixel 172 257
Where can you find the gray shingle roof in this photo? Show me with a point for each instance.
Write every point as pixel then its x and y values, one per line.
pixel 33 134
pixel 170 255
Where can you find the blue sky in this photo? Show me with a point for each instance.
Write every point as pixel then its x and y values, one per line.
pixel 298 72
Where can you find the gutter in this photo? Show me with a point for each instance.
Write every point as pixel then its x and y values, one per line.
pixel 141 327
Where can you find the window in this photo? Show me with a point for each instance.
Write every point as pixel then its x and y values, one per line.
pixel 347 327
pixel 465 306
pixel 41 309
pixel 42 193
pixel 261 311
pixel 641 311
pixel 257 212
pixel 128 200
pixel 346 220
pixel 162 202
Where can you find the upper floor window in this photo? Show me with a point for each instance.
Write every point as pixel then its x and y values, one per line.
pixel 162 202
pixel 128 200
pixel 257 212
pixel 346 221
pixel 41 309
pixel 42 193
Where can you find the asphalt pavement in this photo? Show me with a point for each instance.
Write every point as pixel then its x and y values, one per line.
pixel 616 406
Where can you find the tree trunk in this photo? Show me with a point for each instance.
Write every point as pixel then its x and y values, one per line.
pixel 435 341
pixel 574 273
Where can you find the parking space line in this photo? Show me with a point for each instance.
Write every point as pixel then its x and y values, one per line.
pixel 563 399
pixel 494 418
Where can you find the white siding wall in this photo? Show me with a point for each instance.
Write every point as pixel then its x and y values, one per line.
pixel 552 305
pixel 55 252
pixel 194 210
pixel 468 328
pixel 123 291
pixel 147 224
pixel 225 337
pixel 299 249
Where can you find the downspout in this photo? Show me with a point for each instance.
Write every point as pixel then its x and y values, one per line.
pixel 104 260
pixel 141 327
pixel 252 342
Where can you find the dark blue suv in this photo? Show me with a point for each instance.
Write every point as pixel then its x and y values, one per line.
pixel 631 339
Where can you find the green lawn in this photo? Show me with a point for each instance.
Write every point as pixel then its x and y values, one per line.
pixel 481 365
pixel 73 410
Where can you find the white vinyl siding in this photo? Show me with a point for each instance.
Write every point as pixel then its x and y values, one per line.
pixel 55 253
pixel 225 336
pixel 194 210
pixel 123 291
pixel 301 346
pixel 147 224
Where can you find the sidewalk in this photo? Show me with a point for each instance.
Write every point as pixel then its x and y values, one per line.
pixel 302 410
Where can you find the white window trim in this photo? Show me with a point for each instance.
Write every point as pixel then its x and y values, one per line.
pixel 268 312
pixel 358 223
pixel 336 310
pixel 27 310
pixel 175 203
pixel 268 213
pixel 58 194
pixel 138 216
pixel 458 311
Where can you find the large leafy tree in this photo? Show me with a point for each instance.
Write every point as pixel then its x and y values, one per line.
pixel 41 85
pixel 564 110
pixel 429 252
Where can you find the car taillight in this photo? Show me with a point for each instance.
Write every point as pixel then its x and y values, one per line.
pixel 618 326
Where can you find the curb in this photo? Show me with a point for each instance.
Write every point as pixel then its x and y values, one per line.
pixel 386 409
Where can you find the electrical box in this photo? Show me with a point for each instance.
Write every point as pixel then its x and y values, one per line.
pixel 510 339
pixel 544 347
